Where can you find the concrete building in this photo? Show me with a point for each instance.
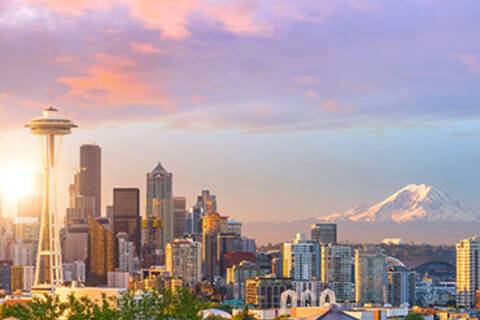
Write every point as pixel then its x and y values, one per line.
pixel 179 217
pixel 370 277
pixel 76 243
pixel 160 203
pixel 325 233
pixel 101 255
pixel 6 276
pixel 127 257
pixel 264 293
pixel 468 271
pixel 336 271
pixel 118 279
pixel 401 289
pixel 237 277
pixel 301 259
pixel 126 216
pixel 90 179
pixel 212 224
pixel 184 261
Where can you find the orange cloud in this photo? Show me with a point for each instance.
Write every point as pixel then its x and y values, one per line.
pixel 143 47
pixel 330 106
pixel 112 82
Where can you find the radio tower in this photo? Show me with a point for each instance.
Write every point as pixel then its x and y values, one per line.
pixel 48 271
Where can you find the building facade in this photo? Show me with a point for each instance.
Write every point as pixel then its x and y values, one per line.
pixel 301 259
pixel 370 277
pixel 468 271
pixel 336 271
pixel 90 176
pixel 325 233
pixel 184 261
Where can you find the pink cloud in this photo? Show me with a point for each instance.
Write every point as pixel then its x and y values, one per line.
pixel 113 82
pixel 330 106
pixel 197 99
pixel 311 93
pixel 143 47
pixel 471 62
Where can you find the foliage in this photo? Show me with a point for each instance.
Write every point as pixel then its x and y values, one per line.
pixel 151 305
pixel 245 315
pixel 413 316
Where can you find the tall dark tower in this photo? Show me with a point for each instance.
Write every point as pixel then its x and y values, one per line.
pixel 91 175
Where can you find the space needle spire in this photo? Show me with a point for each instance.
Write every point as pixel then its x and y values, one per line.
pixel 48 272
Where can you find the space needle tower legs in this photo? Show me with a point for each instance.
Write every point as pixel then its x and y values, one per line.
pixel 48 271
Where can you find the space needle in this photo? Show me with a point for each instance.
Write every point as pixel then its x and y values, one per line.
pixel 48 272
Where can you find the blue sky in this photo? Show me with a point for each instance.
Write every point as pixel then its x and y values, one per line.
pixel 284 109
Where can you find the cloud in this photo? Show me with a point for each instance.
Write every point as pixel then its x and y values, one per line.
pixel 471 61
pixel 113 82
pixel 330 106
pixel 143 47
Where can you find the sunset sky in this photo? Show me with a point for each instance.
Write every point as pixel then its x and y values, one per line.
pixel 284 109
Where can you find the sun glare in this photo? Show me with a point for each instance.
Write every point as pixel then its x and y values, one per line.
pixel 16 180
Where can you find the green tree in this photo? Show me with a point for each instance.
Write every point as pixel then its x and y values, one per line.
pixel 414 316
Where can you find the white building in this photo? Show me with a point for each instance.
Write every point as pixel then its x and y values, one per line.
pixel 184 260
pixel 301 259
pixel 127 259
pixel 468 271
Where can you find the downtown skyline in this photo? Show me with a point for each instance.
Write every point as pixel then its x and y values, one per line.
pixel 334 119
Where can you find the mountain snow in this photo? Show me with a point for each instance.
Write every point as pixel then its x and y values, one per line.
pixel 413 202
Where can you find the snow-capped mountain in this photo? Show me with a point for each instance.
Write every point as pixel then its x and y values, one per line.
pixel 412 203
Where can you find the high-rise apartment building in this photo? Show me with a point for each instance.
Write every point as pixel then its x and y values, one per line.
pixel 179 216
pixel 76 243
pixel 126 216
pixel 325 233
pixel 90 179
pixel 301 259
pixel 370 276
pixel 184 260
pixel 401 286
pixel 468 271
pixel 127 258
pixel 212 225
pixel 101 255
pixel 336 271
pixel 160 204
pixel 238 275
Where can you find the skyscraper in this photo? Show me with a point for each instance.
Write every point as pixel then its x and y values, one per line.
pixel 468 271
pixel 324 233
pixel 126 216
pixel 100 251
pixel 160 203
pixel 213 224
pixel 401 286
pixel 91 175
pixel 206 204
pixel 336 271
pixel 179 216
pixel 370 277
pixel 184 260
pixel 301 259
